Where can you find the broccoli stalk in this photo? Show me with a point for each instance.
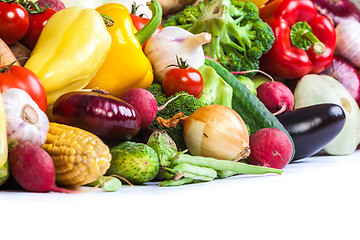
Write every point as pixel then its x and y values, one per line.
pixel 239 36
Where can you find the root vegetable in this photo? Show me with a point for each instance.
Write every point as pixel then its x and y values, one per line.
pixel 172 43
pixel 33 168
pixel 276 97
pixel 6 55
pixel 216 131
pixel 21 52
pixel 144 102
pixel 270 147
pixel 57 5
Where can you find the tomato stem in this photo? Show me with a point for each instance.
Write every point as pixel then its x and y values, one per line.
pixel 7 67
pixel 180 63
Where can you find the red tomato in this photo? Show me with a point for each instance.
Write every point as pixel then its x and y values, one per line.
pixel 23 78
pixel 37 22
pixel 140 22
pixel 183 79
pixel 14 22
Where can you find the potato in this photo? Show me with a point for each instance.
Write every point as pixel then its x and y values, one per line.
pixel 20 51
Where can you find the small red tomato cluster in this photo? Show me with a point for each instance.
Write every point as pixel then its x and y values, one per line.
pixel 22 23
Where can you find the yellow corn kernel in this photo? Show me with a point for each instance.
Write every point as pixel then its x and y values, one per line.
pixel 80 157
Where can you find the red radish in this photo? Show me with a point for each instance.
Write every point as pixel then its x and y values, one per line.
pixel 270 147
pixel 276 97
pixel 57 5
pixel 33 168
pixel 145 103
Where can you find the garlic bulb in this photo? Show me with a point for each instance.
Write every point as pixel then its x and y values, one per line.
pixel 24 119
pixel 348 41
pixel 171 42
pixel 217 131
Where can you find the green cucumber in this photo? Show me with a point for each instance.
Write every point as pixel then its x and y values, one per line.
pixel 247 105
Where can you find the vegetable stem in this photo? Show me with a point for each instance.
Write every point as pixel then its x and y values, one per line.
pixel 302 37
pixel 155 21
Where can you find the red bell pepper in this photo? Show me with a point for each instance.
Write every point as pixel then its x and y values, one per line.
pixel 304 40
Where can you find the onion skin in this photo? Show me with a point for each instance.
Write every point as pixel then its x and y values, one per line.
pixel 106 116
pixel 216 131
pixel 347 41
pixel 339 10
pixel 343 71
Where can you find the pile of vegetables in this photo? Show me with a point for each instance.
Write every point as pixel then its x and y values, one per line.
pixel 112 93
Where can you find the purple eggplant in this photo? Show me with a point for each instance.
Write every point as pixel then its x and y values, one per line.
pixel 107 117
pixel 313 127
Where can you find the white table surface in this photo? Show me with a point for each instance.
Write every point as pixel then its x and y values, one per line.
pixel 315 198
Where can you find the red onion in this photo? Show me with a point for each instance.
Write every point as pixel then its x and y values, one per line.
pixel 338 10
pixel 343 71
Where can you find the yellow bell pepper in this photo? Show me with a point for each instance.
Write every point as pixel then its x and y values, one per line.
pixel 71 48
pixel 3 135
pixel 126 66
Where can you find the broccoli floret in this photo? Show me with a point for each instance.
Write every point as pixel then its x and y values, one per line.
pixel 239 36
pixel 236 63
pixel 187 17
pixel 158 92
pixel 185 103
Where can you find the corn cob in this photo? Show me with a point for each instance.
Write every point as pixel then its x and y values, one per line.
pixel 80 157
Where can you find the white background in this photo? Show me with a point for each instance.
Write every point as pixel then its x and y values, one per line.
pixel 315 198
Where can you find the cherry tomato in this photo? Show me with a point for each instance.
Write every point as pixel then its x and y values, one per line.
pixel 37 22
pixel 140 22
pixel 23 78
pixel 14 22
pixel 183 79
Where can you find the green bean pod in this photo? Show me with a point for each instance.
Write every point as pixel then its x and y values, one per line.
pixel 174 183
pixel 224 165
pixel 225 174
pixel 196 172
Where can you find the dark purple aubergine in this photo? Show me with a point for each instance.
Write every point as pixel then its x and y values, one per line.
pixel 313 127
pixel 107 117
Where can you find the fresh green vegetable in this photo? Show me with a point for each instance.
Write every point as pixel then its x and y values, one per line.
pixel 136 162
pixel 185 103
pixel 216 90
pixel 223 165
pixel 247 105
pixel 196 172
pixel 173 183
pixel 248 83
pixel 184 168
pixel 107 183
pixel 166 149
pixel 239 36
pixel 201 168
pixel 4 173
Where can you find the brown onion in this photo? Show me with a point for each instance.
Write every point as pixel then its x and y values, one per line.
pixel 217 131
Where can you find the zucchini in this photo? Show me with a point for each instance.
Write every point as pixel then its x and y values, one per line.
pixel 247 105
